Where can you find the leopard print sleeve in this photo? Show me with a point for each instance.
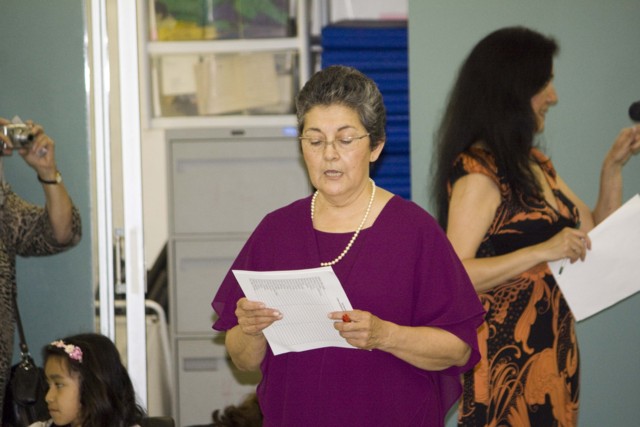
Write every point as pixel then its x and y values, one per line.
pixel 28 228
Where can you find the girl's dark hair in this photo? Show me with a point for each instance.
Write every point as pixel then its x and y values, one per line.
pixel 106 391
pixel 342 85
pixel 491 103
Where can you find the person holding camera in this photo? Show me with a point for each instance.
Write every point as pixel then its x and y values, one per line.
pixel 27 229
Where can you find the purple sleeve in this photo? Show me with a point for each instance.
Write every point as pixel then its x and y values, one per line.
pixel 441 293
pixel 455 305
pixel 260 254
pixel 224 302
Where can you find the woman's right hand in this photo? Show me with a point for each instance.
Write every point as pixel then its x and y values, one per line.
pixel 254 316
pixel 625 146
pixel 569 243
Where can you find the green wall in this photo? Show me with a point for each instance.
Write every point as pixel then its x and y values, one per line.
pixel 42 77
pixel 597 78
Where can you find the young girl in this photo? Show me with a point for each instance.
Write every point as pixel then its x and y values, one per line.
pixel 88 385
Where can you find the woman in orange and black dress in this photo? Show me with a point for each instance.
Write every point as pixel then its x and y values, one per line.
pixel 507 212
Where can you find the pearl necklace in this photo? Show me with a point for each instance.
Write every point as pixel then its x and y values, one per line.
pixel 355 235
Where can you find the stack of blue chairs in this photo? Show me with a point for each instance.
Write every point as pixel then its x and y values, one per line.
pixel 379 50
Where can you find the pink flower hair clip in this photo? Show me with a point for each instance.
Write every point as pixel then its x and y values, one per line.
pixel 73 351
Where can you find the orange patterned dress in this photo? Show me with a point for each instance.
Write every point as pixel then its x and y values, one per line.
pixel 529 371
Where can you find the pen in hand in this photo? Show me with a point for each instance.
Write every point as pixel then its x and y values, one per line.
pixel 564 261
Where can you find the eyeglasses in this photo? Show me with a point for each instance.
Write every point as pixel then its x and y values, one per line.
pixel 342 143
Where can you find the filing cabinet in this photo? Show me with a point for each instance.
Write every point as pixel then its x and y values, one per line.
pixel 222 182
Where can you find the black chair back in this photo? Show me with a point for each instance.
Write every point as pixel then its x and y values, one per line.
pixel 158 422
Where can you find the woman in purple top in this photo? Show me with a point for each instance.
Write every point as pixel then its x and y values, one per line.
pixel 415 309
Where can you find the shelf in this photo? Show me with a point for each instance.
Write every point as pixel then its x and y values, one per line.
pixel 188 83
pixel 240 121
pixel 222 46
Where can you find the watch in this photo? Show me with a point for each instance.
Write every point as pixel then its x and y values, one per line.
pixel 57 180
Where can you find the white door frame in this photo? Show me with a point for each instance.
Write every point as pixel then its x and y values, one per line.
pixel 129 117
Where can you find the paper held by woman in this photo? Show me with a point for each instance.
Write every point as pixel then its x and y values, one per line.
pixel 611 269
pixel 304 297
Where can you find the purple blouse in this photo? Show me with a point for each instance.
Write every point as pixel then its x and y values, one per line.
pixel 403 270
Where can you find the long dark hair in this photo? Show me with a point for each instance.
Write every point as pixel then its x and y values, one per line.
pixel 106 392
pixel 491 103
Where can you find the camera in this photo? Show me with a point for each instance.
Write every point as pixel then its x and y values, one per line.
pixel 20 135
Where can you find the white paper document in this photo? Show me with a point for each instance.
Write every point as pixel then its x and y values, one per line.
pixel 305 298
pixel 227 83
pixel 611 270
pixel 177 73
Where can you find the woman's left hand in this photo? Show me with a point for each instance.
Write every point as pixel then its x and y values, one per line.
pixel 425 347
pixel 626 145
pixel 361 329
pixel 40 155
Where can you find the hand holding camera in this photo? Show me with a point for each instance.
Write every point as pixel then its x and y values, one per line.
pixel 32 143
pixel 19 134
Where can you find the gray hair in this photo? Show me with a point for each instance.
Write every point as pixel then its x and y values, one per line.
pixel 346 86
